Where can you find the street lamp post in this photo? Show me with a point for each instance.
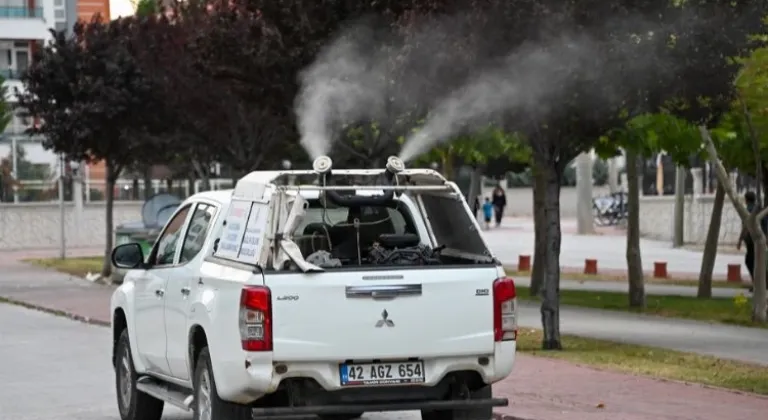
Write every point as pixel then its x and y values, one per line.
pixel 14 169
pixel 62 213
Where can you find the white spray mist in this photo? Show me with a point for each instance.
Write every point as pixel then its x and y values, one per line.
pixel 343 85
pixel 530 77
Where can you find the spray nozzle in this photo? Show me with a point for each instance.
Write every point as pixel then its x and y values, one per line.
pixel 394 166
pixel 322 165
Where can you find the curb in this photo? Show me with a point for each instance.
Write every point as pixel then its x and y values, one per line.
pixel 100 323
pixel 57 312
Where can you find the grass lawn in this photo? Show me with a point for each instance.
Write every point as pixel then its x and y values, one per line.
pixel 727 311
pixel 660 363
pixel 623 278
pixel 79 266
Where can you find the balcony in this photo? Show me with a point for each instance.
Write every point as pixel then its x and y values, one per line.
pixel 25 23
pixel 20 12
pixel 11 74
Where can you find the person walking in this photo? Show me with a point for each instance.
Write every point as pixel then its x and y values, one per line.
pixel 487 212
pixel 750 199
pixel 499 201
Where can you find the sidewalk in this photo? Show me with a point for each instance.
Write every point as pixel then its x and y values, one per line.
pixel 545 389
pixel 57 292
pixel 622 287
pixel 516 237
pixel 538 389
pixel 723 341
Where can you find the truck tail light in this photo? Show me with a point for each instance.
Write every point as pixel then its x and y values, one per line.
pixel 256 318
pixel 504 310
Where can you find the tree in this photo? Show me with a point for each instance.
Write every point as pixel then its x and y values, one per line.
pixel 667 68
pixel 751 222
pixel 95 101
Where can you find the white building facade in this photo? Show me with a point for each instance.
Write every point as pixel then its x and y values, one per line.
pixel 24 27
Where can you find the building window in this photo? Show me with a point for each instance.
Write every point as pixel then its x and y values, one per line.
pixel 58 2
pixel 22 60
pixel 59 14
pixel 61 26
pixel 14 59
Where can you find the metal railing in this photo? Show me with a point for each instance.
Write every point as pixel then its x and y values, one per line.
pixel 21 12
pixel 11 74
pixel 42 191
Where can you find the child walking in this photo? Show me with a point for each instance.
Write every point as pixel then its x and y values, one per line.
pixel 487 212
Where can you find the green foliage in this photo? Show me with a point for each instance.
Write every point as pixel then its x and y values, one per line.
pixel 491 148
pixel 147 8
pixel 647 134
pixel 96 101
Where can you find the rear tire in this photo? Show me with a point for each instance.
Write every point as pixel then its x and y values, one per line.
pixel 481 413
pixel 207 405
pixel 132 403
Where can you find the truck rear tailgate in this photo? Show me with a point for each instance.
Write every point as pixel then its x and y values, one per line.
pixel 395 314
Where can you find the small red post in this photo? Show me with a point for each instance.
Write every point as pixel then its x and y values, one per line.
pixel 524 263
pixel 734 273
pixel 660 269
pixel 590 266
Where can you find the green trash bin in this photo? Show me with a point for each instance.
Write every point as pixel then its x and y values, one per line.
pixel 154 213
pixel 146 240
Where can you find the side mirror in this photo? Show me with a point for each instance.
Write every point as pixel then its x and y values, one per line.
pixel 128 256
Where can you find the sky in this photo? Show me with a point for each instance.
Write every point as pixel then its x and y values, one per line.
pixel 119 8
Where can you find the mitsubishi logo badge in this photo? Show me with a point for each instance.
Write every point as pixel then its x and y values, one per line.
pixel 384 320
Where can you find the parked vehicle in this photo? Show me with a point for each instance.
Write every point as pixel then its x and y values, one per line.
pixel 323 292
pixel 610 209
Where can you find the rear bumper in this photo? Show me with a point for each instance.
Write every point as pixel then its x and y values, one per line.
pixel 245 385
pixel 364 408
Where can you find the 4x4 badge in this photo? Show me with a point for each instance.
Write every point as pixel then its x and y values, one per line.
pixel 384 320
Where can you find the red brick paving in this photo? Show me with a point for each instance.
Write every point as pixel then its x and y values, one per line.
pixel 538 389
pixel 545 389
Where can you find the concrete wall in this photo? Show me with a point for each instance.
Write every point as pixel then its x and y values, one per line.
pixel 37 225
pixel 657 213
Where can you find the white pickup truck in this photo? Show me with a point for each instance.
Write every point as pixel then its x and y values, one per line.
pixel 322 292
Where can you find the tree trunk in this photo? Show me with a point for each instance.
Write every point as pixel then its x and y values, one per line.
pixel 764 178
pixel 679 237
pixel 550 303
pixel 751 222
pixel 585 219
pixel 710 246
pixel 759 304
pixel 475 186
pixel 540 229
pixel 147 177
pixel 447 165
pixel 634 260
pixel 111 179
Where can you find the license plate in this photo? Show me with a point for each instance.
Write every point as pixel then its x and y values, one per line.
pixel 396 373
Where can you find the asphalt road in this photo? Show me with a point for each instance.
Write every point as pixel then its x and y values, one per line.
pixel 56 369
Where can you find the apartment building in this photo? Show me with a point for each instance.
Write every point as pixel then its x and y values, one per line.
pixel 24 26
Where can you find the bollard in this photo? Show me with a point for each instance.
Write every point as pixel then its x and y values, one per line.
pixel 590 266
pixel 524 263
pixel 734 273
pixel 660 269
